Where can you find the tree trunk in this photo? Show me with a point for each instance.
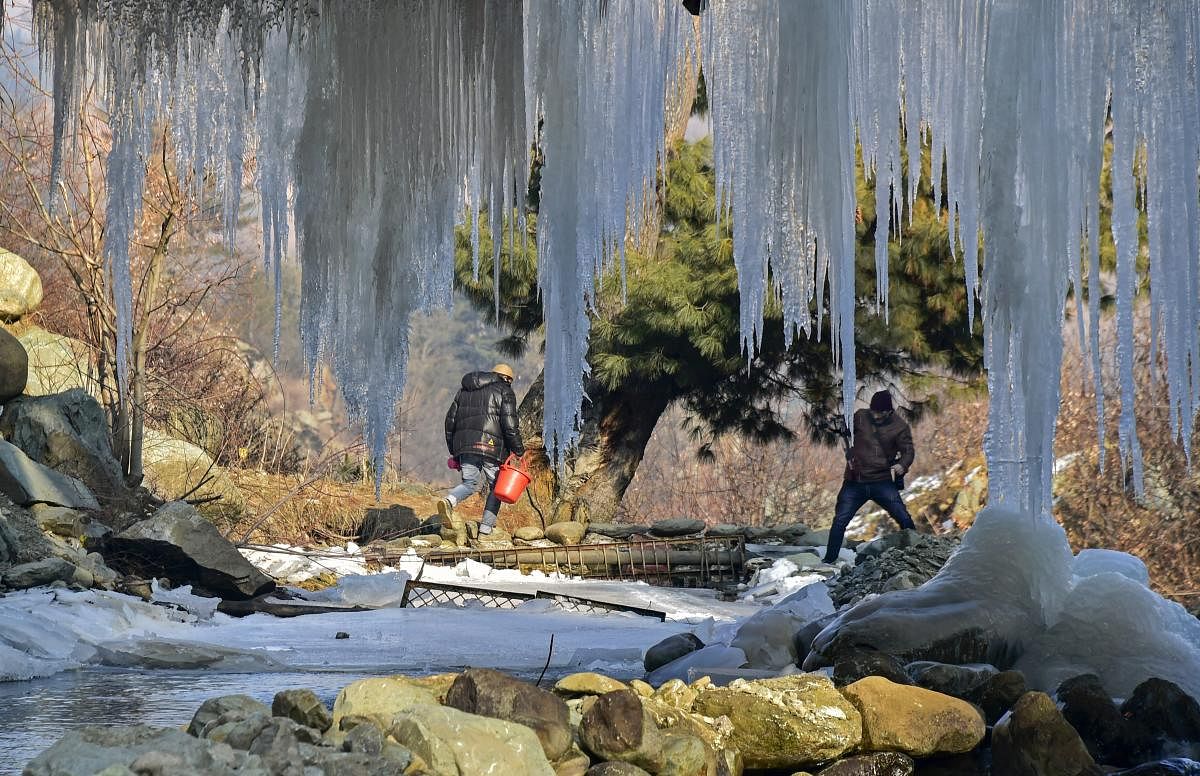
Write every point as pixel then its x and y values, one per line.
pixel 617 425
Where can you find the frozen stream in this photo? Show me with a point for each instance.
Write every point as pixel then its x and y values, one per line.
pixel 74 658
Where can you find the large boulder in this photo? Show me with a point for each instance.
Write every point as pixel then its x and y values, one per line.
pixel 1164 708
pixel 214 708
pixel 456 743
pixel 618 727
pixel 490 693
pixel 617 530
pixel 122 749
pixel 176 542
pixel 27 482
pixel 379 699
pixel 39 572
pixel 670 649
pixel 54 363
pixel 787 722
pixel 177 469
pixel 303 707
pixel 69 433
pixel 566 532
pixel 873 764
pixel 913 720
pixel 1109 737
pixel 959 681
pixel 677 526
pixel 1035 740
pixel 14 366
pixel 20 286
pixel 390 522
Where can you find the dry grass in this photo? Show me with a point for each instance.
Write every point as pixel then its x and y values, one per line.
pixel 325 511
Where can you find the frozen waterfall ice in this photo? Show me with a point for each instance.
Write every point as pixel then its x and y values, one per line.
pixel 377 127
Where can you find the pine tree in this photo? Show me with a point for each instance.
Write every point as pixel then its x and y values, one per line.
pixel 671 336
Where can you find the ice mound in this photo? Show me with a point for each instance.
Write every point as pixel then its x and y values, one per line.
pixel 202 607
pixel 703 659
pixel 372 590
pixel 768 638
pixel 1092 561
pixel 43 632
pixel 1009 597
pixel 292 565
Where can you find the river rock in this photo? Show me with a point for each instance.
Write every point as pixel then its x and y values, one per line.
pixel 20 286
pixel 55 363
pixel 959 681
pixel 40 572
pixel 387 523
pixel 685 755
pixel 617 530
pixel 859 664
pixel 1109 737
pixel 27 482
pixel 1175 766
pixel 670 649
pixel 529 533
pixel 678 694
pixel 62 521
pixel 213 708
pixel 303 707
pixel 68 432
pixel 566 532
pixel 787 722
pixel 379 699
pixel 450 741
pixel 912 556
pixel 618 727
pixel 14 366
pixel 587 683
pixel 714 732
pixel 677 526
pixel 490 693
pixel 1164 708
pixel 177 469
pixel 998 694
pixel 1035 740
pixel 873 764
pixel 616 769
pixel 914 720
pixel 92 749
pixel 177 543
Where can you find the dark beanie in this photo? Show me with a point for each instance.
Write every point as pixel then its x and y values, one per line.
pixel 882 402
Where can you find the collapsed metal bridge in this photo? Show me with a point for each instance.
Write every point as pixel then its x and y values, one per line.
pixel 716 562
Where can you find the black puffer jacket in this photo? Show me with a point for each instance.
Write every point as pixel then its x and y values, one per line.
pixel 483 418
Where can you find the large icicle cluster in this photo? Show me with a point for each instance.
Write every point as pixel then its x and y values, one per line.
pixel 1015 96
pixel 379 125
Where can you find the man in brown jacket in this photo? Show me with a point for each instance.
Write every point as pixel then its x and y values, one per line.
pixel 875 467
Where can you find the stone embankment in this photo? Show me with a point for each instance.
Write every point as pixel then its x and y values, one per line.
pixel 938 719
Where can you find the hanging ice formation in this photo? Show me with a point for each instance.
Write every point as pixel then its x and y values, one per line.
pixel 391 121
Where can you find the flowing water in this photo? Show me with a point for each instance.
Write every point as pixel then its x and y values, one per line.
pixel 35 714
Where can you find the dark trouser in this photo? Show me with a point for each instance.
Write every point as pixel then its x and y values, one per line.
pixel 851 497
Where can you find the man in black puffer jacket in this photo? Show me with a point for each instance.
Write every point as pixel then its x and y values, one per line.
pixel 481 429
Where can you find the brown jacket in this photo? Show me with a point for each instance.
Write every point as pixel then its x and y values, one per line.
pixel 876 448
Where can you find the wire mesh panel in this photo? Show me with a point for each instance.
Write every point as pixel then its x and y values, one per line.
pixel 417 593
pixel 436 594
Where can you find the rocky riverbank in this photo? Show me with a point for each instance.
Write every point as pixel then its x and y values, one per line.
pixel 926 718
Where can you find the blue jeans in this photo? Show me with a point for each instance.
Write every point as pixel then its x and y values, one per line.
pixel 851 497
pixel 476 471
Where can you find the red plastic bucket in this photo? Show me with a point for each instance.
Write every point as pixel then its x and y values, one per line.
pixel 511 481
